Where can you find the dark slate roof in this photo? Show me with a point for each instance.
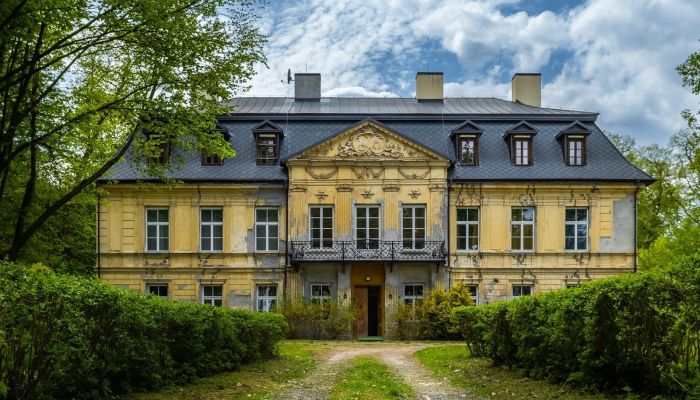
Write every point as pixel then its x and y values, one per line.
pixel 604 162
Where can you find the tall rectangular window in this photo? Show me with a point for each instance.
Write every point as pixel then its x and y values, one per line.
pixel 522 228
pixel 413 294
pixel 213 294
pixel 211 229
pixel 266 297
pixel 576 151
pixel 157 229
pixel 266 229
pixel 474 291
pixel 521 290
pixel 576 229
pixel 321 226
pixel 413 227
pixel 522 151
pixel 266 149
pixel 320 293
pixel 367 227
pixel 157 289
pixel 468 228
pixel 468 148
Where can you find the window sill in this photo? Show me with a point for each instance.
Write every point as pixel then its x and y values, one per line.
pixel 462 251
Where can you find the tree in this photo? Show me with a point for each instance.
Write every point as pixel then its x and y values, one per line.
pixel 81 81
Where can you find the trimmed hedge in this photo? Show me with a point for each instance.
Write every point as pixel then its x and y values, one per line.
pixel 71 337
pixel 638 332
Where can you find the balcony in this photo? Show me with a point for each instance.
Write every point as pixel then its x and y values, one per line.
pixel 367 250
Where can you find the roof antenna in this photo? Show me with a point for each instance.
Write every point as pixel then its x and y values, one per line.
pixel 289 78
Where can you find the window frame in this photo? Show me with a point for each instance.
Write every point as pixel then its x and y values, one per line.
pixel 567 150
pixel 474 293
pixel 321 299
pixel 267 226
pixel 475 157
pixel 211 225
pixel 157 224
pixel 413 219
pixel 530 286
pixel 211 299
pixel 369 242
pixel 150 285
pixel 322 241
pixel 261 148
pixel 209 159
pixel 467 223
pixel 514 150
pixel 164 157
pixel 575 223
pixel 522 223
pixel 271 301
pixel 411 300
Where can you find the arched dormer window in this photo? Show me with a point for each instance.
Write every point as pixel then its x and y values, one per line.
pixel 520 139
pixel 267 143
pixel 573 142
pixel 466 140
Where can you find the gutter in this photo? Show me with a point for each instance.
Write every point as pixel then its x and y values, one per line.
pixel 286 242
pixel 99 263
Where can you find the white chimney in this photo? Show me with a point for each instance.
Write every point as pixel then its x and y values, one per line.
pixel 429 86
pixel 526 88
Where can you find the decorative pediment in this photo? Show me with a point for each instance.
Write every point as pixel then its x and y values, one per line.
pixel 367 140
pixel 575 128
pixel 467 127
pixel 522 128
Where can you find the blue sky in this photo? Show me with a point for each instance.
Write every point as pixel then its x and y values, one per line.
pixel 615 57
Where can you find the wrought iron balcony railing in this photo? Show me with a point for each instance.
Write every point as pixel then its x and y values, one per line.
pixel 367 250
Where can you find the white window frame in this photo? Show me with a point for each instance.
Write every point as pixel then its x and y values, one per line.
pixel 575 151
pixel 211 225
pixel 522 154
pixel 467 223
pixel 268 301
pixel 321 299
pixel 522 224
pixel 158 225
pixel 211 299
pixel 411 300
pixel 322 216
pixel 158 285
pixel 575 223
pixel 475 293
pixel 367 229
pixel 413 219
pixel 521 286
pixel 267 226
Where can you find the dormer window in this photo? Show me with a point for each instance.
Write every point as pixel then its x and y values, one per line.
pixel 466 138
pixel 521 138
pixel 211 159
pixel 573 142
pixel 163 148
pixel 267 143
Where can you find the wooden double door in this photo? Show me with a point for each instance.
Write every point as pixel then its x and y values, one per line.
pixel 368 311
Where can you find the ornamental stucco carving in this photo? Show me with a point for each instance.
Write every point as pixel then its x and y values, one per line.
pixel 369 142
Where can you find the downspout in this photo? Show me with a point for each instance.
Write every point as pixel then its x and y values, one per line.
pixel 286 233
pixel 635 226
pixel 449 253
pixel 99 263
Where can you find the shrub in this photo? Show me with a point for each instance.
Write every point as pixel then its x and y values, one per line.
pixel 70 337
pixel 316 321
pixel 404 322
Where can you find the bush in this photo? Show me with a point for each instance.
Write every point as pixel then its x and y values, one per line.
pixel 308 320
pixel 637 331
pixel 70 337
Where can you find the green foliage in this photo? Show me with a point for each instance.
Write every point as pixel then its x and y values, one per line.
pixel 404 321
pixel 638 331
pixel 316 321
pixel 69 337
pixel 369 379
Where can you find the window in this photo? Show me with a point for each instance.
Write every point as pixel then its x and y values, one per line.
pixel 522 151
pixel 468 150
pixel 267 297
pixel 320 293
pixel 157 229
pixel 522 228
pixel 575 151
pixel 413 294
pixel 321 226
pixel 211 229
pixel 572 285
pixel 521 290
pixel 576 229
pixel 211 159
pixel 266 149
pixel 266 229
pixel 162 149
pixel 213 294
pixel 413 227
pixel 157 289
pixel 474 290
pixel 467 229
pixel 367 227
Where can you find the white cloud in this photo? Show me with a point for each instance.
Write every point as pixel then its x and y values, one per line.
pixel 622 63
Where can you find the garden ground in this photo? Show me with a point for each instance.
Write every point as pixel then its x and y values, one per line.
pixel 352 370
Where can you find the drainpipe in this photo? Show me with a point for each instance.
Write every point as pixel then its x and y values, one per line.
pixel 449 253
pixel 635 226
pixel 286 233
pixel 99 264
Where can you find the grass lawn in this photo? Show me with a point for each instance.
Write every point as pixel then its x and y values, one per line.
pixel 253 381
pixel 369 379
pixel 478 376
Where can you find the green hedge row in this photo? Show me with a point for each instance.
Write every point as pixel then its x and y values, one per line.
pixel 638 332
pixel 70 337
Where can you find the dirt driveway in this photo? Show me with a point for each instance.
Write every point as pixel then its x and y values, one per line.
pixel 333 358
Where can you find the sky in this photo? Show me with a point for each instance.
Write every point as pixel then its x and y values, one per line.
pixel 615 57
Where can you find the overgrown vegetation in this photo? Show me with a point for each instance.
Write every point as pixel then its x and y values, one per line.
pixel 70 337
pixel 369 379
pixel 307 320
pixel 429 319
pixel 638 331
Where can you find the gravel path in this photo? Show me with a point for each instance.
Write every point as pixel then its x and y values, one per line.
pixel 333 359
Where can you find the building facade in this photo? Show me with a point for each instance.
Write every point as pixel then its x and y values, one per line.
pixel 377 201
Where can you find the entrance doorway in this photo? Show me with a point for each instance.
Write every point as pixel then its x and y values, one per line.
pixel 368 309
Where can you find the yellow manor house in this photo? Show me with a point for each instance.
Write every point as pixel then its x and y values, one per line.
pixel 377 201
